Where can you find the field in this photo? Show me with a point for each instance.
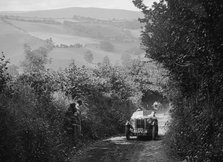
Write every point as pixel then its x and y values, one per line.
pixel 39 27
pixel 12 41
pixel 66 39
pixel 15 33
pixel 62 57
pixel 98 13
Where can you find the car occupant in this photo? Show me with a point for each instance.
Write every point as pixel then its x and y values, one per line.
pixel 155 108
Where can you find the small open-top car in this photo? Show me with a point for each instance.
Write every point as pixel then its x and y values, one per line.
pixel 142 125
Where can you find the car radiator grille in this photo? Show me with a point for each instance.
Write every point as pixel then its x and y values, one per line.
pixel 140 123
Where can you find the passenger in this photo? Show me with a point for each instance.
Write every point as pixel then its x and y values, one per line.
pixel 155 108
pixel 78 106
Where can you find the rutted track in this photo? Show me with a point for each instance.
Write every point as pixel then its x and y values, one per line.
pixel 118 149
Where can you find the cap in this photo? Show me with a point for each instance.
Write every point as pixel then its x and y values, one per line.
pixel 155 105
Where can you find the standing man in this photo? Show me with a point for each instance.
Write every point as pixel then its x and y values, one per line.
pixel 72 120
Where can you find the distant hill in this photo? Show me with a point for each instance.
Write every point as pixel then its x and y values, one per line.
pixel 97 13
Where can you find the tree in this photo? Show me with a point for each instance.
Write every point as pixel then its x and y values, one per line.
pixel 107 92
pixel 13 70
pixel 3 75
pixel 186 38
pixel 49 44
pixel 149 78
pixel 88 56
pixel 35 60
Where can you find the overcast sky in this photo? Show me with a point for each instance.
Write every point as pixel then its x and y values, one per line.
pixel 24 5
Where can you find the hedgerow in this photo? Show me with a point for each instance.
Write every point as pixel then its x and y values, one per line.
pixel 186 38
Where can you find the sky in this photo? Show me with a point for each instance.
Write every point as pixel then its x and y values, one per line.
pixel 27 5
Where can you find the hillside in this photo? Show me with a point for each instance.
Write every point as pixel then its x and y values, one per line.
pixel 62 57
pixel 97 13
pixel 12 41
pixel 89 33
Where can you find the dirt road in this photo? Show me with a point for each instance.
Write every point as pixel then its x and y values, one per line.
pixel 118 149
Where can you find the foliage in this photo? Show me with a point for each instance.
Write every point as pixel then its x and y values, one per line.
pixel 31 121
pixel 34 105
pixel 186 38
pixel 149 77
pixel 35 60
pixel 13 70
pixel 3 74
pixel 106 97
pixel 31 124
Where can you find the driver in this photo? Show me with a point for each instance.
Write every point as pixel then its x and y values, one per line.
pixel 155 107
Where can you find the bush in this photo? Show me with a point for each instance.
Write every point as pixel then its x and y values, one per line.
pixel 34 114
pixel 31 124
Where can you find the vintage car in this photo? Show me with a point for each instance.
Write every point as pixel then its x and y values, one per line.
pixel 142 125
